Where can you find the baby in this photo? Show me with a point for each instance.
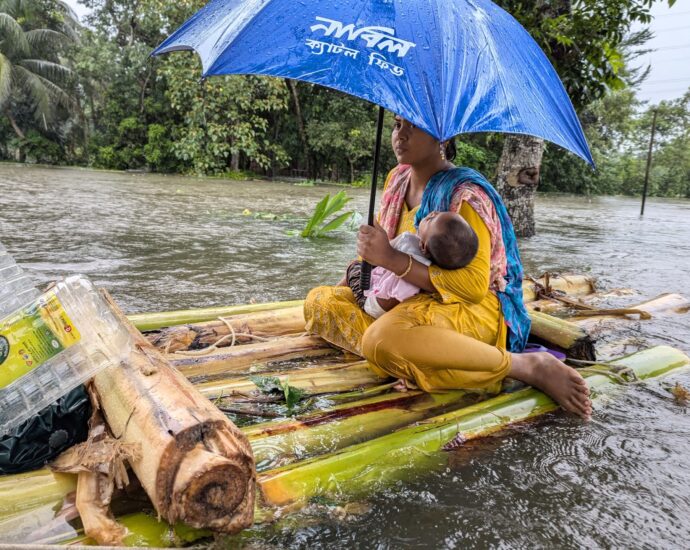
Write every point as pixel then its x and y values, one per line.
pixel 443 238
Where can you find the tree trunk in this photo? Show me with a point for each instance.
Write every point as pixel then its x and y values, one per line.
pixel 517 178
pixel 18 154
pixel 15 126
pixel 300 122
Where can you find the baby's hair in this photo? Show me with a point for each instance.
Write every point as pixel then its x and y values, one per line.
pixel 455 246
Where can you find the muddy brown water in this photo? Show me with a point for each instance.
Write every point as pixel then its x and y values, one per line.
pixel 622 480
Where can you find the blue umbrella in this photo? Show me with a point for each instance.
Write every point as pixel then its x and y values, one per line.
pixel 447 66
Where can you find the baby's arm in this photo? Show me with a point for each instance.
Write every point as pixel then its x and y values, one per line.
pixel 387 303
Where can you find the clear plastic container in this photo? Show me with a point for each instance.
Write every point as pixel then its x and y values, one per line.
pixel 16 289
pixel 52 343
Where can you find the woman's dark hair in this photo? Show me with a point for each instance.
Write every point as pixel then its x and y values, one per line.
pixel 451 150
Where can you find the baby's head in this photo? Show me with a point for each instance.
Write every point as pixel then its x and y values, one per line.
pixel 448 239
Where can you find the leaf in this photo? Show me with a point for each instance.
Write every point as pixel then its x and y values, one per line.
pixel 268 384
pixel 335 223
pixel 292 394
pixel 316 217
pixel 338 201
pixel 272 385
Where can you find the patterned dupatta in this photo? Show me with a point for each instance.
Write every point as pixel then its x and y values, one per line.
pixel 446 191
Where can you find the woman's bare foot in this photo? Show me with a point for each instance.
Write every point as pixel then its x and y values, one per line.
pixel 556 379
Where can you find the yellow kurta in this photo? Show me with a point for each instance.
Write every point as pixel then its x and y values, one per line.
pixel 453 338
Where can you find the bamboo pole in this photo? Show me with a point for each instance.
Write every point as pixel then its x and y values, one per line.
pixel 237 359
pixel 30 490
pixel 195 465
pixel 662 304
pixel 277 322
pixel 573 285
pixel 153 321
pixel 367 467
pixel 279 443
pixel 573 340
pixel 339 377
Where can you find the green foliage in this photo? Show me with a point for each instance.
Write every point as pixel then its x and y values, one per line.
pixel 584 39
pixel 618 131
pixel 224 119
pixel 158 150
pixel 272 385
pixel 317 226
pixel 38 148
pixel 36 86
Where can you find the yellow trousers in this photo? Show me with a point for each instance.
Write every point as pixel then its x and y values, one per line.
pixel 435 346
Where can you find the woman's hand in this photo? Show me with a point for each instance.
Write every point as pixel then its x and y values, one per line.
pixel 373 245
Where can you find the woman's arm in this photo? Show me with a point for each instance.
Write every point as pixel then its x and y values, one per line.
pixel 469 283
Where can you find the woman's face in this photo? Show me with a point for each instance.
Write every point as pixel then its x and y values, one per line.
pixel 412 145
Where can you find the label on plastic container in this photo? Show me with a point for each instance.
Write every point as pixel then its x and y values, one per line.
pixel 32 335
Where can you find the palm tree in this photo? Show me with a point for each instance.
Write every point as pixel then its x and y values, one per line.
pixel 33 79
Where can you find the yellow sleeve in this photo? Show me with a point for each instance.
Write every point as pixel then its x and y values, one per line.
pixel 469 283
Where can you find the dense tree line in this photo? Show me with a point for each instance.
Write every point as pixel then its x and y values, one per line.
pixel 91 95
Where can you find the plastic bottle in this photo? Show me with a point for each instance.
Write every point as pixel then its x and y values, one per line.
pixel 51 342
pixel 16 289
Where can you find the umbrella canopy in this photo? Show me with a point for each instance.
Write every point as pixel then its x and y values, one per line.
pixel 447 66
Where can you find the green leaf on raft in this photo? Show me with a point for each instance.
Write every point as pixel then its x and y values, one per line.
pixel 267 384
pixel 292 395
pixel 274 385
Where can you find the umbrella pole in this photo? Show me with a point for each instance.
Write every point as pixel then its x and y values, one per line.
pixel 365 275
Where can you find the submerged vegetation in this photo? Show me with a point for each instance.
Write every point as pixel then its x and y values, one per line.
pixel 90 95
pixel 318 225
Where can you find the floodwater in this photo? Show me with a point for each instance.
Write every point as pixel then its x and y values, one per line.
pixel 621 480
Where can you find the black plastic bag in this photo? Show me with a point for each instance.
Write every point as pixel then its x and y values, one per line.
pixel 44 436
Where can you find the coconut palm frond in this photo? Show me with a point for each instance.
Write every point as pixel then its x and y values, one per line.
pixel 5 80
pixel 46 69
pixel 58 95
pixel 71 25
pixel 14 35
pixel 36 88
pixel 42 38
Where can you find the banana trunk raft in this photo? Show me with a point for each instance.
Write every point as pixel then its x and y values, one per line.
pixel 320 424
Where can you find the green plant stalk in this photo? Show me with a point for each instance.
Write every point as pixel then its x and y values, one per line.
pixel 26 491
pixel 240 359
pixel 329 379
pixel 572 339
pixel 277 444
pixel 575 285
pixel 153 321
pixel 143 530
pixel 370 466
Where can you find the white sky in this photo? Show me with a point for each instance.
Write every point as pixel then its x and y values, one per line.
pixel 670 60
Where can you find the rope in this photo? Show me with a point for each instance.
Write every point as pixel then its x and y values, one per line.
pixel 584 310
pixel 213 347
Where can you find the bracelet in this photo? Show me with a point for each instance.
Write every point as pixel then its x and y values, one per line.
pixel 409 268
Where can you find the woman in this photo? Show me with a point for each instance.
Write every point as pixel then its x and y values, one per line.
pixel 458 333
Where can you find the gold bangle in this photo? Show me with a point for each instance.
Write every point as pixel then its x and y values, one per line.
pixel 409 268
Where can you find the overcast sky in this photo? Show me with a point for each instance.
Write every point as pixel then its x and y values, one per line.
pixel 670 60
